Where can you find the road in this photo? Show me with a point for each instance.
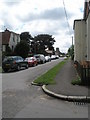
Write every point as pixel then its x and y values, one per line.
pixel 20 99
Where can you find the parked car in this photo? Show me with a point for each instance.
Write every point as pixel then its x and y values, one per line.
pixel 14 62
pixel 47 58
pixel 57 57
pixel 54 57
pixel 40 58
pixel 32 61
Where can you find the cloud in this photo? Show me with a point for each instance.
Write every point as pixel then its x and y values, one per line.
pixel 11 3
pixel 53 14
pixel 42 16
pixel 50 14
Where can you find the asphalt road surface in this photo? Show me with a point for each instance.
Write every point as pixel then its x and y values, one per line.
pixel 20 99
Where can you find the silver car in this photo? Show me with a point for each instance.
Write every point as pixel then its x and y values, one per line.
pixel 40 58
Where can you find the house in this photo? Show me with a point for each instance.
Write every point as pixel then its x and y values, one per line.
pixel 49 52
pixel 82 44
pixel 10 39
pixel 82 35
pixel 80 52
pixel 57 52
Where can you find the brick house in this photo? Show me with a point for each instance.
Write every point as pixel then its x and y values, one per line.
pixel 10 39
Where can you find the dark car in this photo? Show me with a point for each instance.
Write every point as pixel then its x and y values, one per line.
pixel 32 61
pixel 14 62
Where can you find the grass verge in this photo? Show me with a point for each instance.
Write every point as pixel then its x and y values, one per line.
pixel 48 77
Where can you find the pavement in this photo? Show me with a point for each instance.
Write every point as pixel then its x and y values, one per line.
pixel 63 89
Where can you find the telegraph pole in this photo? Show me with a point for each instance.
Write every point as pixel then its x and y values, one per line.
pixel 72 40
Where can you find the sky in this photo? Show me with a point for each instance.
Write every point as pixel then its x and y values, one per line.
pixel 53 17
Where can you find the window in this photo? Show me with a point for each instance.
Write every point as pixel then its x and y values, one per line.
pixel 12 48
pixel 17 39
pixel 3 48
pixel 13 38
pixel 89 6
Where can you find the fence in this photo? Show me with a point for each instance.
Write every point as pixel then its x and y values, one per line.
pixel 83 69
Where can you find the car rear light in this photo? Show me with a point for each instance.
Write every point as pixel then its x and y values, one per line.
pixel 14 62
pixel 33 60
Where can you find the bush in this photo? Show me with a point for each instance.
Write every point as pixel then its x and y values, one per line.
pixel 77 81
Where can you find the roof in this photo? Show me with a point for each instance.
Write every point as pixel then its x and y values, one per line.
pixel 49 51
pixel 86 12
pixel 78 21
pixel 6 36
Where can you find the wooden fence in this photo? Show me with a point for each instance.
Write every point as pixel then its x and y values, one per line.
pixel 83 69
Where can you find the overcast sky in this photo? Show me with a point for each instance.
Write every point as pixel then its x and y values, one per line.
pixel 42 17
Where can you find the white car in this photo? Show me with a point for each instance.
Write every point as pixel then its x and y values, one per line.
pixel 53 57
pixel 40 58
pixel 47 58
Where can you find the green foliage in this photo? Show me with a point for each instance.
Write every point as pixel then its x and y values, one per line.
pixel 22 49
pixel 8 52
pixel 71 52
pixel 8 49
pixel 76 81
pixel 39 43
pixel 48 77
pixel 42 42
pixel 25 36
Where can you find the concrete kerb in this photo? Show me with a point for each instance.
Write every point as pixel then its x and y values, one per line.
pixel 66 97
pixel 32 83
pixel 63 97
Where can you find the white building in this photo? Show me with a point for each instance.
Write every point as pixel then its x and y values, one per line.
pixel 88 38
pixel 82 36
pixel 10 39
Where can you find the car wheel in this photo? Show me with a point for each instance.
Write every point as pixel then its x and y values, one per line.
pixel 27 66
pixel 18 67
pixel 34 64
pixel 43 62
pixel 5 70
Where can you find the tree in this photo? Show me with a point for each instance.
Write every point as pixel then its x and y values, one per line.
pixel 8 50
pixel 26 37
pixel 71 52
pixel 42 42
pixel 22 49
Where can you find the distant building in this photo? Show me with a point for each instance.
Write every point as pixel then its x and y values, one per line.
pixel 57 52
pixel 49 52
pixel 10 39
pixel 82 36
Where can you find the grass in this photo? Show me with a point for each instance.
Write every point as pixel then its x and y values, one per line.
pixel 76 81
pixel 48 77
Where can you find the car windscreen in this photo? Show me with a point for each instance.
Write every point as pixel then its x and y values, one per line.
pixel 8 59
pixel 37 56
